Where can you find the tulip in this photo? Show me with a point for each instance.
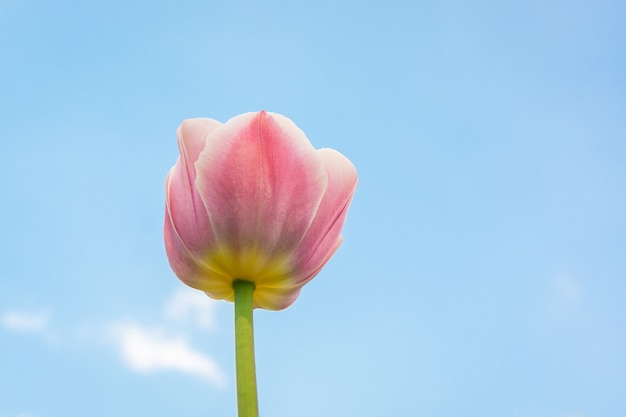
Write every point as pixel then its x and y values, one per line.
pixel 252 200
pixel 253 213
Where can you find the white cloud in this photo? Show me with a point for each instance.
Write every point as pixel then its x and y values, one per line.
pixel 187 303
pixel 25 322
pixel 147 350
pixel 142 348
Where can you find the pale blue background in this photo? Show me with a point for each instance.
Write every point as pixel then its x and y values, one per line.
pixel 483 271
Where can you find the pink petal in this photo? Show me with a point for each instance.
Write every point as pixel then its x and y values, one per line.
pixel 261 182
pixel 189 269
pixel 187 212
pixel 324 235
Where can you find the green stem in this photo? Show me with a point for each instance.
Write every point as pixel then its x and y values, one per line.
pixel 247 404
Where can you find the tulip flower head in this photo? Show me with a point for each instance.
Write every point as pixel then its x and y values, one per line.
pixel 252 200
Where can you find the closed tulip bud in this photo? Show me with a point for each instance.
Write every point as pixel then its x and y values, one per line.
pixel 252 200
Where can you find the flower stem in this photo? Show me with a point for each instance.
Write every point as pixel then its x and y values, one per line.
pixel 247 403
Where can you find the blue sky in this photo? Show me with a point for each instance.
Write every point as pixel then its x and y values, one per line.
pixel 483 269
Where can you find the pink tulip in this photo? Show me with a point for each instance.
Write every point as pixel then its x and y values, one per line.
pixel 251 199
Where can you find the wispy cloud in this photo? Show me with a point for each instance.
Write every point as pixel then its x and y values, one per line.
pixel 567 295
pixel 160 345
pixel 567 288
pixel 151 349
pixel 163 347
pixel 186 304
pixel 25 322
